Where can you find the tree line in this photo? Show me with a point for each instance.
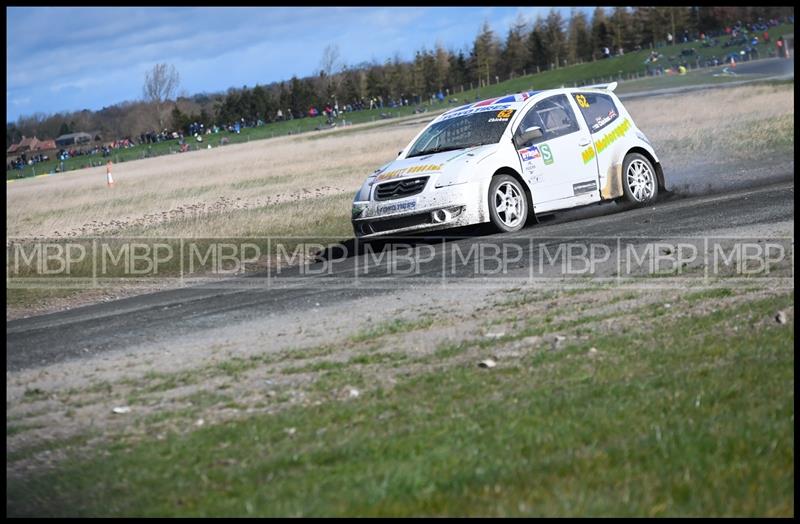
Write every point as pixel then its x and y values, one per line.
pixel 550 42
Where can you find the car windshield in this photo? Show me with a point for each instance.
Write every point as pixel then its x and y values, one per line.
pixel 461 132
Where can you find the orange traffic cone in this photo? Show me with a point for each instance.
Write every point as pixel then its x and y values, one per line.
pixel 733 62
pixel 109 178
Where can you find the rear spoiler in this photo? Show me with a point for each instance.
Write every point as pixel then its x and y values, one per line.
pixel 608 87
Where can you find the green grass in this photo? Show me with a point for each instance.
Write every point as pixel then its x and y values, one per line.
pixel 360 360
pixel 706 294
pixel 680 417
pixel 34 394
pixel 391 327
pixel 616 68
pixel 14 429
pixel 51 446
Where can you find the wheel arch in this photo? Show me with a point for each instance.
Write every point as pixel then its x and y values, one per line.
pixel 656 165
pixel 505 170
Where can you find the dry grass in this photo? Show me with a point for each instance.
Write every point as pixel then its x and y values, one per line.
pixel 303 185
pixel 730 124
pixel 239 189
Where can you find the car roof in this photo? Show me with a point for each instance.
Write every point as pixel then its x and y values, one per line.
pixel 516 101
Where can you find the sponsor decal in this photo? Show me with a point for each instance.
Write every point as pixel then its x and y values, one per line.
pixel 608 139
pixel 519 97
pixel 587 154
pixel 459 108
pixel 502 116
pixel 528 167
pixel 547 154
pixel 538 179
pixel 510 98
pixel 582 101
pixel 489 104
pixel 584 187
pixel 473 110
pixel 600 121
pixel 395 173
pixel 612 136
pixel 397 207
pixel 529 153
pixel 485 102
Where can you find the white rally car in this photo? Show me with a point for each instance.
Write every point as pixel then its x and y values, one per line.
pixel 506 159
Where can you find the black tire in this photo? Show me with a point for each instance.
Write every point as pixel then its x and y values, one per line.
pixel 508 211
pixel 640 185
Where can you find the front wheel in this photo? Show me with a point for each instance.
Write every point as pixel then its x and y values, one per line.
pixel 639 183
pixel 508 206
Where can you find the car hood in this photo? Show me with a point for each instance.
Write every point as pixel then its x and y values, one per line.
pixel 445 168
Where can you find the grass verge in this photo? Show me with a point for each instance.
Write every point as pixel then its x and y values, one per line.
pixel 686 416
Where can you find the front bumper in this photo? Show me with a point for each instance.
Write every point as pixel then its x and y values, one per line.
pixel 435 208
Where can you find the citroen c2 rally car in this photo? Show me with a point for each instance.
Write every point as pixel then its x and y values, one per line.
pixel 506 159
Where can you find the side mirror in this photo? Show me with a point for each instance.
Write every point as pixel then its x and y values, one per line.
pixel 530 133
pixel 399 153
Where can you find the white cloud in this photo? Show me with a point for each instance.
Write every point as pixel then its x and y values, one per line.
pixel 60 58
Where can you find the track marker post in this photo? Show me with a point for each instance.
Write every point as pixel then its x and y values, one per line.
pixel 109 178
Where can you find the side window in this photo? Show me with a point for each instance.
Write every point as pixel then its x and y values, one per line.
pixel 598 110
pixel 554 115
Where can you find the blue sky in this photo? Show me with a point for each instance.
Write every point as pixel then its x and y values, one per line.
pixel 66 59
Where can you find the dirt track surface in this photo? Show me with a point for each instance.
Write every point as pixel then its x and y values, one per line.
pixel 765 69
pixel 184 325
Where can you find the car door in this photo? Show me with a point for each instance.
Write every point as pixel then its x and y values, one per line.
pixel 606 125
pixel 552 163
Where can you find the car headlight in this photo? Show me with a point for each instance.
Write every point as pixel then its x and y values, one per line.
pixel 363 194
pixel 358 209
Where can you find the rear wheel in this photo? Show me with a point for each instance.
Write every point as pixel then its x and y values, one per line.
pixel 639 182
pixel 508 206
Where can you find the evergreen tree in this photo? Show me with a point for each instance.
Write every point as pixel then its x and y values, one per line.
pixel 442 67
pixel 600 33
pixel 579 38
pixel 429 73
pixel 348 91
pixel 555 38
pixel 537 48
pixel 399 78
pixel 486 54
pixel 514 54
pixel 459 72
pixel 619 25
